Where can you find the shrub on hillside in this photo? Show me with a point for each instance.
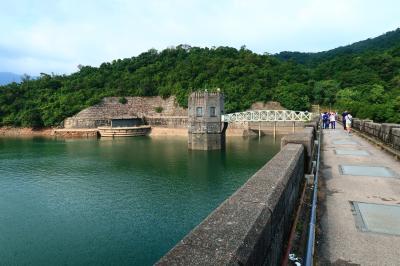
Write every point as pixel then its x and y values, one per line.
pixel 123 100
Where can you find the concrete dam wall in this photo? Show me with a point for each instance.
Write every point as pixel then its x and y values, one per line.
pixel 252 226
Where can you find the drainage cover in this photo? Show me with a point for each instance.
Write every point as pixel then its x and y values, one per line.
pixel 366 170
pixel 344 142
pixel 378 218
pixel 352 152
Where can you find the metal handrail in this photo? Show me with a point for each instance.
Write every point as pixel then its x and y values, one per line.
pixel 308 260
pixel 267 116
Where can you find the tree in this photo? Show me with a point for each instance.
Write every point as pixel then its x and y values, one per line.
pixel 293 96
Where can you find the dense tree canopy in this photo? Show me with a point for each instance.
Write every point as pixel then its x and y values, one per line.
pixel 365 81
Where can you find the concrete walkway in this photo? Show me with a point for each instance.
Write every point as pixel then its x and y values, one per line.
pixel 358 234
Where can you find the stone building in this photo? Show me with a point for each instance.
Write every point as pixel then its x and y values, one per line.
pixel 205 130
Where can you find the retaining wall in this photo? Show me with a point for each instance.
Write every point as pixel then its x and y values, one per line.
pixel 66 133
pixel 252 226
pixel 167 121
pixel 100 114
pixel 75 122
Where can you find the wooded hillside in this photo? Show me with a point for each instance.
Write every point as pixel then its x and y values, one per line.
pixel 363 78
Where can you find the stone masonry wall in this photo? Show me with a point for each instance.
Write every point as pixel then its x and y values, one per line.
pixel 110 107
pixel 167 121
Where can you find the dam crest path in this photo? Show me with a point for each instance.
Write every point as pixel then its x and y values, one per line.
pixel 360 202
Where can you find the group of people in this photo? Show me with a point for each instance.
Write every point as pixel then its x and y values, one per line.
pixel 329 118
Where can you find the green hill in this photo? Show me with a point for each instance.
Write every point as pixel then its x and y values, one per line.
pixel 378 44
pixel 365 80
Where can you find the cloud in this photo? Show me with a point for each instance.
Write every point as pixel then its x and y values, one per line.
pixel 55 36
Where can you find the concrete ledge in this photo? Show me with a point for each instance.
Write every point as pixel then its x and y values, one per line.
pixel 386 131
pixel 377 130
pixel 369 128
pixel 304 137
pixel 363 122
pixel 76 133
pixel 396 138
pixel 312 124
pixel 250 227
pixel 357 123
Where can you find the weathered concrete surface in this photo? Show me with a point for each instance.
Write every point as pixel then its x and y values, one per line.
pixel 339 238
pixel 76 133
pixel 305 137
pixel 396 138
pixel 357 123
pixel 386 132
pixel 372 128
pixel 250 227
pixel 314 125
pixel 363 123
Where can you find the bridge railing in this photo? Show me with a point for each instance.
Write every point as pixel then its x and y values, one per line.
pixel 267 115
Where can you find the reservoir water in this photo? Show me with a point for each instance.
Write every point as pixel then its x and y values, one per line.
pixel 112 201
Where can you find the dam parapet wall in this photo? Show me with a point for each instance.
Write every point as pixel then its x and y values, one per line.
pixel 252 226
pixel 388 133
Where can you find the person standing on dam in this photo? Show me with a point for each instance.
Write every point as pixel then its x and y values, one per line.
pixel 325 120
pixel 332 119
pixel 348 120
pixel 344 119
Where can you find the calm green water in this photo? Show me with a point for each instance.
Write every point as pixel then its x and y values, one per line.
pixel 112 202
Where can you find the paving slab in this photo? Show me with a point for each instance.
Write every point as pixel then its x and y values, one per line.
pixel 352 152
pixel 378 218
pixel 340 240
pixel 365 170
pixel 345 142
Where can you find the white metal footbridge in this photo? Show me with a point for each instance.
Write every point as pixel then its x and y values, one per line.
pixel 267 116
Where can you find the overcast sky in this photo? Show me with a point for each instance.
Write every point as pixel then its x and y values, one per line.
pixel 57 35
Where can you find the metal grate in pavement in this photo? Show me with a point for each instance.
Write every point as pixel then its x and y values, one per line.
pixel 362 170
pixel 378 218
pixel 345 142
pixel 352 152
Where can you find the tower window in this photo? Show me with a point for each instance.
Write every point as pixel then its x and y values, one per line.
pixel 199 111
pixel 212 111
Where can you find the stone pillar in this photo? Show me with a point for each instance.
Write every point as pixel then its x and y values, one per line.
pixel 206 131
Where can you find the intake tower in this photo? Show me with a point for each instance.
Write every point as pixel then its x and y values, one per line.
pixel 206 131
